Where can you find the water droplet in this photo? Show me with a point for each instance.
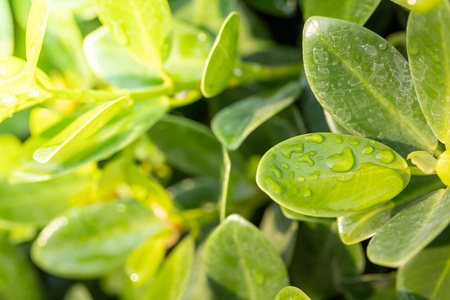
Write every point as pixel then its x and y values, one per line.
pixel 367 150
pixel 435 56
pixel 314 175
pixel 341 162
pixel 276 171
pixel 286 166
pixel 202 36
pixel 320 56
pixel 354 142
pixel 382 47
pixel 370 50
pixel 307 193
pixel 338 139
pixel 301 178
pixel 306 158
pixel 273 185
pixel 385 156
pixel 316 138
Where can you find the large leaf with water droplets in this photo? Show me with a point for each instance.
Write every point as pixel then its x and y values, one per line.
pixel 427 275
pixel 348 10
pixel 114 136
pixel 419 5
pixel 291 293
pixel 429 56
pixel 411 230
pixel 234 123
pixel 365 84
pixel 241 263
pixel 6 29
pixel 19 279
pixel 171 281
pixel 331 175
pixel 139 25
pixel 222 58
pixel 358 227
pixel 90 241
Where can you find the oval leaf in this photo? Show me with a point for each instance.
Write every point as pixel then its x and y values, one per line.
pixel 331 175
pixel 410 230
pixel 235 122
pixel 241 263
pixel 139 25
pixel 365 84
pixel 6 29
pixel 424 160
pixel 291 293
pixel 222 58
pixel 419 5
pixel 430 65
pixel 90 241
pixel 348 10
pixel 443 167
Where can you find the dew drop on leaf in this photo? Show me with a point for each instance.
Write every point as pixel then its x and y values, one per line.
pixel 342 162
pixel 367 150
pixel 316 138
pixel 385 156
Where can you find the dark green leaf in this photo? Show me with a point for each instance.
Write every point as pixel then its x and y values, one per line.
pixel 275 7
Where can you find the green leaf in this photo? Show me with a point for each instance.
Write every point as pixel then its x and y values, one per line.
pixel 37 22
pixel 71 4
pixel 173 277
pixel 234 123
pixel 370 287
pixel 145 260
pixel 358 227
pixel 78 291
pixel 443 167
pixel 419 5
pixel 291 293
pixel 10 148
pixel 344 61
pixel 19 279
pixel 410 230
pixel 290 214
pixel 321 261
pixel 90 241
pixel 6 29
pixel 334 126
pixel 331 175
pixel 280 231
pixel 428 39
pixel 113 64
pixel 188 146
pixel 66 54
pixel 49 198
pixel 424 160
pixel 114 136
pixel 139 25
pixel 241 263
pixel 222 58
pixel 274 7
pixel 426 275
pixel 81 129
pixel 348 10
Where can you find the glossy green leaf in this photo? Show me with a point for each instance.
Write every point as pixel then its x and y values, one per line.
pixel 188 145
pixel 290 214
pixel 348 10
pixel 145 260
pixel 427 275
pixel 331 175
pixel 140 26
pixel 49 198
pixel 81 129
pixel 280 231
pixel 234 123
pixel 334 126
pixel 274 7
pixel 113 64
pixel 6 29
pixel 424 160
pixel 222 58
pixel 443 167
pixel 321 261
pixel 241 263
pixel 410 230
pixel 291 293
pixel 90 241
pixel 66 54
pixel 71 4
pixel 173 277
pixel 419 5
pixel 344 61
pixel 114 136
pixel 19 279
pixel 428 43
pixel 10 147
pixel 37 22
pixel 358 227
pixel 78 291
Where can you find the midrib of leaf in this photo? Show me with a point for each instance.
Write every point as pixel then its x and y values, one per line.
pixel 247 277
pixel 446 49
pixel 141 25
pixel 412 129
pixel 441 279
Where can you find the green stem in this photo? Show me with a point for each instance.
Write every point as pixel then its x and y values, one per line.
pixel 255 72
pixel 225 183
pixel 86 95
